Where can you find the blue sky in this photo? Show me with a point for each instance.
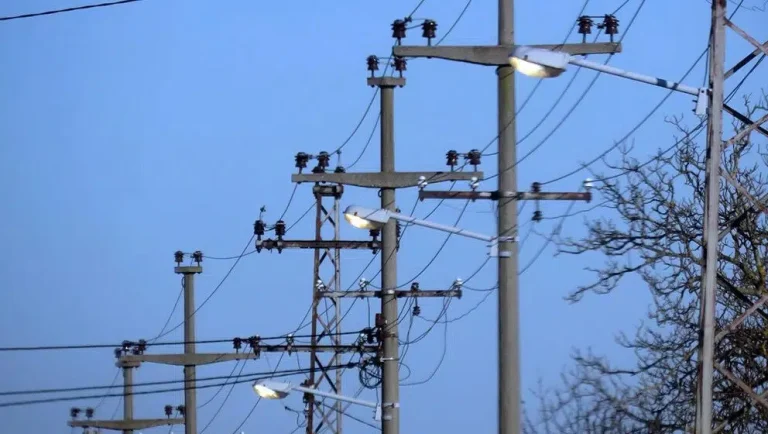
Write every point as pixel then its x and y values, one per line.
pixel 130 132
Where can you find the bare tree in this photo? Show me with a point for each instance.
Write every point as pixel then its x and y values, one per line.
pixel 655 232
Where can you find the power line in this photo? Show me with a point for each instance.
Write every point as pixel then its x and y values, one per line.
pixel 455 22
pixel 148 344
pixel 170 316
pixel 575 105
pixel 277 366
pixel 72 9
pixel 114 381
pixel 688 136
pixel 226 397
pixel 258 400
pixel 642 122
pixel 299 327
pixel 231 374
pixel 140 384
pixel 215 290
pixel 530 96
pixel 149 392
pixel 357 419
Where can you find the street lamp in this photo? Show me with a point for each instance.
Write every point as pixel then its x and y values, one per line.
pixel 366 218
pixel 269 389
pixel 542 63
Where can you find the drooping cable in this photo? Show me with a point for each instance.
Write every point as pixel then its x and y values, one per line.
pixel 72 9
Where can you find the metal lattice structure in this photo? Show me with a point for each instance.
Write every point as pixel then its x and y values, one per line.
pixel 712 235
pixel 326 315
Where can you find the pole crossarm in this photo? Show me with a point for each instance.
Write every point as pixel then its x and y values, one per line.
pixel 270 244
pixel 124 425
pixel 210 358
pixel 385 179
pixel 494 195
pixel 496 55
pixel 399 294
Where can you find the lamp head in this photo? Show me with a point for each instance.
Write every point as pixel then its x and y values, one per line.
pixel 366 218
pixel 268 389
pixel 538 62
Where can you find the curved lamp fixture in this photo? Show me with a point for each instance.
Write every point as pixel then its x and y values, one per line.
pixel 367 218
pixel 542 63
pixel 269 389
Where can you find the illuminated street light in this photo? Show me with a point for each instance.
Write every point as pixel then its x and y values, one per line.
pixel 542 63
pixel 269 389
pixel 367 218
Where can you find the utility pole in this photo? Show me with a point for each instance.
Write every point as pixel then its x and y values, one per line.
pixel 387 180
pixel 326 279
pixel 128 395
pixel 127 424
pixel 190 359
pixel 390 389
pixel 509 407
pixel 510 414
pixel 706 358
pixel 190 388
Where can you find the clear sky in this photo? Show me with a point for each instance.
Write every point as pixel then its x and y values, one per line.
pixel 129 132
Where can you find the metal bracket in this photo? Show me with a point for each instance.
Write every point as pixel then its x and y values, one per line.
pixel 404 293
pixel 270 244
pixel 495 195
pixel 384 179
pixel 124 425
pixel 495 253
pixel 496 55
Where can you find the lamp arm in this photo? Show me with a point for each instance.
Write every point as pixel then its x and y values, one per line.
pixel 335 396
pixel 637 77
pixel 439 227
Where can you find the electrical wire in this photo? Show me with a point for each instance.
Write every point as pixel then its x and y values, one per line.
pixel 442 356
pixel 173 311
pixel 530 96
pixel 224 401
pixel 155 344
pixel 455 22
pixel 439 250
pixel 72 9
pixel 232 373
pixel 251 377
pixel 357 419
pixel 215 290
pixel 646 118
pixel 114 381
pixel 568 213
pixel 575 105
pixel 139 384
pixel 690 135
pixel 370 137
pixel 372 100
pixel 256 404
pixel 642 122
pixel 378 118
pixel 277 366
